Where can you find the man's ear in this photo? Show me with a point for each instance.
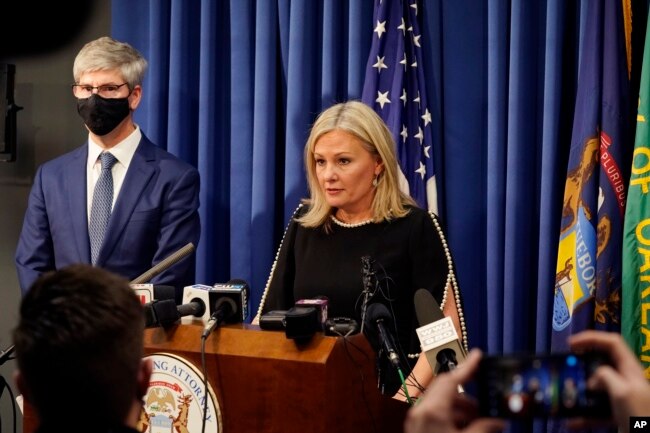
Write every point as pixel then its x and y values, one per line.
pixel 135 97
pixel 144 376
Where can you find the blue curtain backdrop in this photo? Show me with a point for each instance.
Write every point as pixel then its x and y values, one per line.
pixel 233 87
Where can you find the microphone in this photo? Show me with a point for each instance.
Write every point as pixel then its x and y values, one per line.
pixel 378 319
pixel 165 312
pixel 231 304
pixel 437 334
pixel 300 322
pixel 238 291
pixel 235 290
pixel 150 292
pixel 160 313
pixel 224 309
pixel 5 355
pixel 320 304
pixel 165 264
pixel 161 291
pixel 274 320
pixel 195 307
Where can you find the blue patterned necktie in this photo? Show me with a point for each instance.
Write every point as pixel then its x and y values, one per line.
pixel 100 210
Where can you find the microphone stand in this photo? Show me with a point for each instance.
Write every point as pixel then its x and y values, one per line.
pixel 5 355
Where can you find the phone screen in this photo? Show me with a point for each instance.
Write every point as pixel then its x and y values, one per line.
pixel 541 386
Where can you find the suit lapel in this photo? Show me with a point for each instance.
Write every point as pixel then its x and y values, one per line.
pixel 75 185
pixel 137 177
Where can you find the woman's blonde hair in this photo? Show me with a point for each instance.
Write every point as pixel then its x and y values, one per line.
pixel 360 120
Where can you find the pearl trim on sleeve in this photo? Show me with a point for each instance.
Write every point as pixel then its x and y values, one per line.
pixel 451 278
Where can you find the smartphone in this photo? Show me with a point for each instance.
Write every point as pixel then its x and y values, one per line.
pixel 540 386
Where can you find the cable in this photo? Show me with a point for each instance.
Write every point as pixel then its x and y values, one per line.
pixel 383 286
pixel 3 385
pixel 205 383
pixel 369 280
pixel 346 344
pixel 406 391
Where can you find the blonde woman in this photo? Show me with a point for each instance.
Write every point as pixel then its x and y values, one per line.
pixel 356 210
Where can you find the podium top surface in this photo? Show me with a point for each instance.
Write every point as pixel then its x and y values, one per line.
pixel 242 340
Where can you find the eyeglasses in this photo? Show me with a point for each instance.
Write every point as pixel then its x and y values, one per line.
pixel 83 91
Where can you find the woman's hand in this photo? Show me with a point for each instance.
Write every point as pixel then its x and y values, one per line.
pixel 444 409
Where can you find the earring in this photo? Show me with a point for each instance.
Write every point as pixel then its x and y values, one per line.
pixel 375 181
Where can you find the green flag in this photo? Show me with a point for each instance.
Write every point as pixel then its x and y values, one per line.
pixel 635 313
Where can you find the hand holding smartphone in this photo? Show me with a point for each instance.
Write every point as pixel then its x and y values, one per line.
pixel 540 386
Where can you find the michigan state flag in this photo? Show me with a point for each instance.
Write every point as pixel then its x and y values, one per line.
pixel 636 234
pixel 395 87
pixel 587 292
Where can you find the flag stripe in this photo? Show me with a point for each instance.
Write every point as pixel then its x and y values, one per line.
pixel 635 325
pixel 395 88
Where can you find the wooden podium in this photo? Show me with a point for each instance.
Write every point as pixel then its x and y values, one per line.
pixel 265 382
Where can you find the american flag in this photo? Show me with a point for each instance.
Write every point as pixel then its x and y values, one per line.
pixel 394 88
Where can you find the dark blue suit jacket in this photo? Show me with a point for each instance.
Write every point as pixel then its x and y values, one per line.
pixel 156 214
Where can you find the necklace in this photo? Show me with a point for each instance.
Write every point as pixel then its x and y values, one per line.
pixel 350 225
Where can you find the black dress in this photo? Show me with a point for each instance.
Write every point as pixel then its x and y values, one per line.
pixel 407 254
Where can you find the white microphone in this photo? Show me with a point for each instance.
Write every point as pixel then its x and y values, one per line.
pixel 148 292
pixel 437 334
pixel 236 290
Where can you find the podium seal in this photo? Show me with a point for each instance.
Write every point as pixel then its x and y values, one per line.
pixel 176 398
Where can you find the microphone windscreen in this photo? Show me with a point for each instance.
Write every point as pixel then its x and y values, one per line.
pixel 238 281
pixel 427 309
pixel 149 315
pixel 166 312
pixel 320 303
pixel 238 292
pixel 301 323
pixel 161 292
pixel 228 305
pixel 377 311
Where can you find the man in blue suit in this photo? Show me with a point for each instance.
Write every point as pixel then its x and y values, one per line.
pixel 118 202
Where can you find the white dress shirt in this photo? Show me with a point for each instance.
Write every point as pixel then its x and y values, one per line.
pixel 123 152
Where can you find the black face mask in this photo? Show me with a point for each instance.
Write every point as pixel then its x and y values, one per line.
pixel 102 115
